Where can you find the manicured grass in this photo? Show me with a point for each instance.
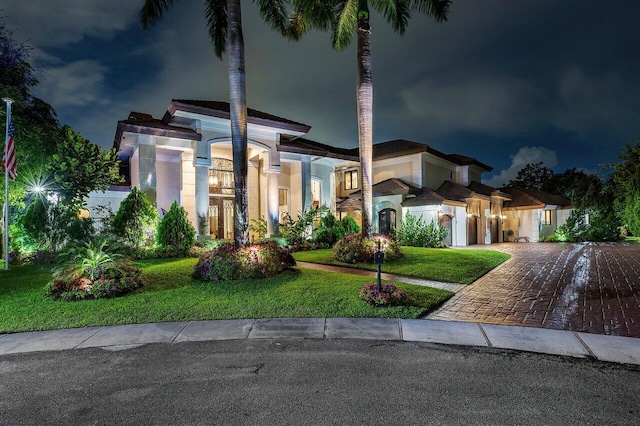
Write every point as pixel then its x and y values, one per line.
pixel 633 240
pixel 170 294
pixel 462 266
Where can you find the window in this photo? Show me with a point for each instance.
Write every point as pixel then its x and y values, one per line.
pixel 386 221
pixel 283 196
pixel 316 193
pixel 546 218
pixel 351 179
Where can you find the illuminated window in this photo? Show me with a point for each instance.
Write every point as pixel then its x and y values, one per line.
pixel 351 179
pixel 316 193
pixel 546 218
pixel 283 196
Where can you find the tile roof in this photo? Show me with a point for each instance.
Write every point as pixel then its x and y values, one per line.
pixel 391 186
pixel 533 198
pixel 145 124
pixel 399 147
pixel 306 146
pixel 487 190
pixel 221 109
pixel 455 192
pixel 425 197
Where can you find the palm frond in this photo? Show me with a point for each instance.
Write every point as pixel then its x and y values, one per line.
pixel 345 24
pixel 216 14
pixel 274 13
pixel 438 9
pixel 152 11
pixel 396 12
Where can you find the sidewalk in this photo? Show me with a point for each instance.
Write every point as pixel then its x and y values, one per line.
pixel 624 350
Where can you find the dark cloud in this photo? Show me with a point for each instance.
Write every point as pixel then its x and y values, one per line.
pixel 502 81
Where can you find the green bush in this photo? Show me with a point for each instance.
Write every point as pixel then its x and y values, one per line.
pixel 414 231
pixel 136 220
pixel 175 230
pixel 300 230
pixel 328 232
pixel 350 225
pixel 229 262
pixel 355 248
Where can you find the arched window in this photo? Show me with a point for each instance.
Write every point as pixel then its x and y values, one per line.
pixel 386 221
pixel 221 176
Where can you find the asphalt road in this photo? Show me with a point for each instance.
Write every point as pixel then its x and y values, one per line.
pixel 318 382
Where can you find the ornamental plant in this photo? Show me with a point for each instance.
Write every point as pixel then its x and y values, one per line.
pixel 91 271
pixel 389 295
pixel 414 231
pixel 136 220
pixel 175 230
pixel 329 231
pixel 228 262
pixel 355 248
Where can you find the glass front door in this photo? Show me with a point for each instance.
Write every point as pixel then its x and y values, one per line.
pixel 221 218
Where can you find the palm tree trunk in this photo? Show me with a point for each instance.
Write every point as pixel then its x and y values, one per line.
pixel 365 117
pixel 238 112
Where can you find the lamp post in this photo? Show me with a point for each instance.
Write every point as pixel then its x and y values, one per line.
pixel 8 101
pixel 378 259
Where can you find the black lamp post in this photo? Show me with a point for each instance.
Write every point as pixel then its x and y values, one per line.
pixel 378 259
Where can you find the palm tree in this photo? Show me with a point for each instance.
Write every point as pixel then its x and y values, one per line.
pixel 344 18
pixel 224 20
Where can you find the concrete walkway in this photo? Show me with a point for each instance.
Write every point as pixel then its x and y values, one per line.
pixel 615 349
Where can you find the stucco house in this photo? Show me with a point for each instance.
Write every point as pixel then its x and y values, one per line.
pixel 186 157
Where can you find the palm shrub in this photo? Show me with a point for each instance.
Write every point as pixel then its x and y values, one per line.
pixel 298 231
pixel 92 271
pixel 356 248
pixel 229 262
pixel 136 220
pixel 414 231
pixel 175 231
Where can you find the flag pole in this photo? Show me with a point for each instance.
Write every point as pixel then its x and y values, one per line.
pixel 8 101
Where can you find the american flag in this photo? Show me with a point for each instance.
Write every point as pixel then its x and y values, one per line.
pixel 9 154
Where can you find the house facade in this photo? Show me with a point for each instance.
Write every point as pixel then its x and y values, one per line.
pixel 186 157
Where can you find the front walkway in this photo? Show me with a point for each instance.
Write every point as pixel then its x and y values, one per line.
pixel 587 287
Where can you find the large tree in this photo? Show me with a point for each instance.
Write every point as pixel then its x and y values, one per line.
pixel 625 184
pixel 224 20
pixel 532 176
pixel 344 18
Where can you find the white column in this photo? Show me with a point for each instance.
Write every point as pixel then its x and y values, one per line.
pixel 147 166
pixel 273 201
pixel 201 196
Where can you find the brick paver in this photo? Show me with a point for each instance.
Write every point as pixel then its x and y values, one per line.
pixel 590 287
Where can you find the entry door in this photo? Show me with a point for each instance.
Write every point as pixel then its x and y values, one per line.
pixel 472 230
pixel 445 222
pixel 494 230
pixel 221 218
pixel 386 221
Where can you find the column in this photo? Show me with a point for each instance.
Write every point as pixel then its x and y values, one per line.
pixel 147 167
pixel 273 201
pixel 305 176
pixel 202 196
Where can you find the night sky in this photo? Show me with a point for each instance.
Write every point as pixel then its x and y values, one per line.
pixel 507 82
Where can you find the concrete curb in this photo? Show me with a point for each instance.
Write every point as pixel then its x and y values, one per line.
pixel 616 349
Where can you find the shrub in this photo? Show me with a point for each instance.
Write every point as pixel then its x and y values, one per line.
pixel 355 248
pixel 300 230
pixel 415 232
pixel 329 231
pixel 229 262
pixel 389 295
pixel 90 271
pixel 136 220
pixel 175 230
pixel 258 226
pixel 350 225
pixel 42 256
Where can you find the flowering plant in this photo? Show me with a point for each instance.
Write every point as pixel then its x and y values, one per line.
pixel 355 248
pixel 389 295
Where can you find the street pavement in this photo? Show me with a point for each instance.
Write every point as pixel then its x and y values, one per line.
pixel 312 382
pixel 584 287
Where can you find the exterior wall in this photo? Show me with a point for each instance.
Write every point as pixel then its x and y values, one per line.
pixel 323 174
pixel 459 227
pixel 562 216
pixel 109 199
pixel 458 219
pixel 435 174
pixel 187 195
pixel 340 189
pixel 169 181
pixel 407 168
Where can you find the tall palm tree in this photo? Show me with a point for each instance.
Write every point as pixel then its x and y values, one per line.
pixel 224 20
pixel 344 18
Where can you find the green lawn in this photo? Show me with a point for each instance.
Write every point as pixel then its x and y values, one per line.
pixel 446 265
pixel 171 295
pixel 633 240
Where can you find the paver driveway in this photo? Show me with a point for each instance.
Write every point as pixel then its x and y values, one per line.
pixel 591 287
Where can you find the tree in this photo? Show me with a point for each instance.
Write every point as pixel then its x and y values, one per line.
pixel 175 231
pixel 532 176
pixel 583 189
pixel 135 219
pixel 80 167
pixel 625 185
pixel 224 19
pixel 344 18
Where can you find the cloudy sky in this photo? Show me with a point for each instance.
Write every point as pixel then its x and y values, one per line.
pixel 507 82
